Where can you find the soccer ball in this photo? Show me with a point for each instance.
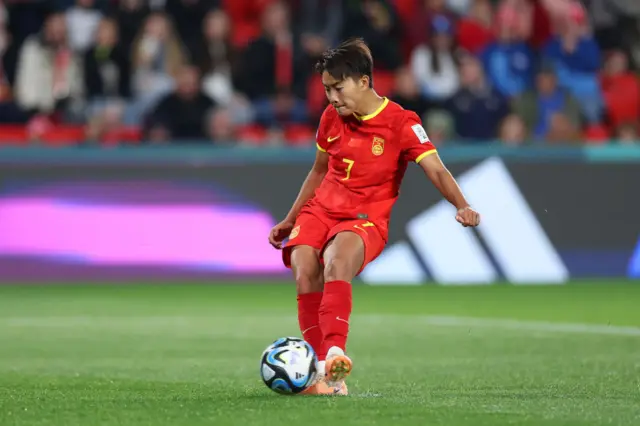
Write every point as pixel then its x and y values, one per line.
pixel 289 365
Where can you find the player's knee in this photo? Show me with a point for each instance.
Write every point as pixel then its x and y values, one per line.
pixel 308 281
pixel 338 268
pixel 307 270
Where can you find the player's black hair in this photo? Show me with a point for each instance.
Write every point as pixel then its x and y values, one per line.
pixel 352 58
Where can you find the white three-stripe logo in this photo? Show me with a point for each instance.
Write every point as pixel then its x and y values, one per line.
pixel 454 255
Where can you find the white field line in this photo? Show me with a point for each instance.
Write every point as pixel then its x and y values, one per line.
pixel 276 320
pixel 537 326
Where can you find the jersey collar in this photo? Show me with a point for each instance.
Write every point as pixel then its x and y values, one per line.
pixel 375 113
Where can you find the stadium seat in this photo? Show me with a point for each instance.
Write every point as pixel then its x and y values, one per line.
pixel 13 135
pixel 122 135
pixel 58 136
pixel 64 136
pixel 596 134
pixel 299 135
pixel 253 134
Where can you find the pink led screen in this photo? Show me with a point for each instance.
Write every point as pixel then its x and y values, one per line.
pixel 161 226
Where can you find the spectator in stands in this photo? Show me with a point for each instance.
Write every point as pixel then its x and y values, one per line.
pixel 182 114
pixel 407 93
pixel 106 65
pixel 222 128
pixel 460 7
pixel 513 131
pixel 616 24
pixel 105 122
pixel 246 17
pixel 478 108
pixel 274 71
pixel 49 76
pixel 518 16
pixel 562 130
pixel 538 106
pixel 216 56
pixel 621 89
pixel 441 126
pixel 8 110
pixel 130 16
pixel 419 30
pixel 509 61
pixel 217 59
pixel 541 22
pixel 106 78
pixel 627 133
pixel 576 58
pixel 82 23
pixel 27 18
pixel 475 31
pixel 376 22
pixel 320 25
pixel 157 55
pixel 433 65
pixel 188 16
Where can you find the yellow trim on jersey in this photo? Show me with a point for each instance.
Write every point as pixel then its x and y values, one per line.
pixel 424 155
pixel 320 148
pixel 376 112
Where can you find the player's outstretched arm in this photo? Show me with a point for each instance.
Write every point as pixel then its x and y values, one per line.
pixel 311 183
pixel 437 173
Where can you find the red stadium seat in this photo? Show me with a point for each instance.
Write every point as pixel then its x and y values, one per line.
pixel 122 135
pixel 596 134
pixel 253 135
pixel 13 135
pixel 63 135
pixel 299 135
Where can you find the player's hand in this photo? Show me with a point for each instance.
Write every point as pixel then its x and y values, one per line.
pixel 279 233
pixel 468 217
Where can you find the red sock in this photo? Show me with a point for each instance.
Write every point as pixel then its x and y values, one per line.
pixel 308 306
pixel 335 312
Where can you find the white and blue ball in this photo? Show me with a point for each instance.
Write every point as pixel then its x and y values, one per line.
pixel 289 365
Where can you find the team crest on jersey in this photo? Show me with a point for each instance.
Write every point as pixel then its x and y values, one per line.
pixel 377 148
pixel 294 232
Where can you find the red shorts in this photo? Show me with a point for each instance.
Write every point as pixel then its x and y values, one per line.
pixel 317 230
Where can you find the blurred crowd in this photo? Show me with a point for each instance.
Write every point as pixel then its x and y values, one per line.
pixel 240 71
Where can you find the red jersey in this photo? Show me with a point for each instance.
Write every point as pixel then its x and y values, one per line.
pixel 368 159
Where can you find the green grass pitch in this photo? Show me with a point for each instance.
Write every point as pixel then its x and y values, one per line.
pixel 430 355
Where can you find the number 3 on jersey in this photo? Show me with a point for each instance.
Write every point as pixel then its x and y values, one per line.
pixel 349 167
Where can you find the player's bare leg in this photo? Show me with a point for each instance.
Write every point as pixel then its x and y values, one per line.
pixel 307 270
pixel 343 258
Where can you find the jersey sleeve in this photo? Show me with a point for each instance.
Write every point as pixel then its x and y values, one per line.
pixel 414 140
pixel 322 134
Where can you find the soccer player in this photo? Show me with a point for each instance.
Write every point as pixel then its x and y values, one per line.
pixel 338 223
